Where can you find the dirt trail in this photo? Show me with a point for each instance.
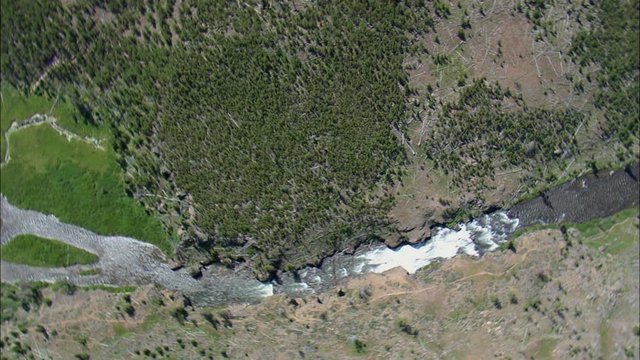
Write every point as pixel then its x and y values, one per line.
pixel 122 260
pixel 40 119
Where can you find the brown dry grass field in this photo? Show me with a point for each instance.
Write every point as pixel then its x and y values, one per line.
pixel 557 297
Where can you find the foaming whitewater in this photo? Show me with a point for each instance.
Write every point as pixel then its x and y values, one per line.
pixel 264 290
pixel 445 244
pixel 473 238
pixel 125 261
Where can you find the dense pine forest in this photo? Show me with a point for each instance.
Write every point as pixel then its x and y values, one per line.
pixel 512 134
pixel 262 130
pixel 274 120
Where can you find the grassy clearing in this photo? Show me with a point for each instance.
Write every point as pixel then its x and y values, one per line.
pixel 544 349
pixel 614 233
pixel 605 339
pixel 109 289
pixel 36 251
pixel 77 183
pixel 449 70
pixel 531 228
pixel 73 180
pixel 119 330
pixel 15 106
pixel 594 227
pixel 63 286
pixel 90 272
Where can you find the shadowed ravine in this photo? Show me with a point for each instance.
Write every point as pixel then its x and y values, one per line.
pixel 126 261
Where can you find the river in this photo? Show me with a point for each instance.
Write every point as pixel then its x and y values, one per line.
pixel 126 261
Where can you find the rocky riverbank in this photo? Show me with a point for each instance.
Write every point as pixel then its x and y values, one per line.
pixel 126 261
pixel 122 261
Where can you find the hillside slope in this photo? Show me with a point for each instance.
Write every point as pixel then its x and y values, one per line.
pixel 276 133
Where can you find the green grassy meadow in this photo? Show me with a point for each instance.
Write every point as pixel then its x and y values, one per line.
pixel 73 180
pixel 15 106
pixel 36 251
pixel 613 234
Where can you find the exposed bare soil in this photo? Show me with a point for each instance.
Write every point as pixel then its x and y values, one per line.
pixel 554 298
pixel 503 46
